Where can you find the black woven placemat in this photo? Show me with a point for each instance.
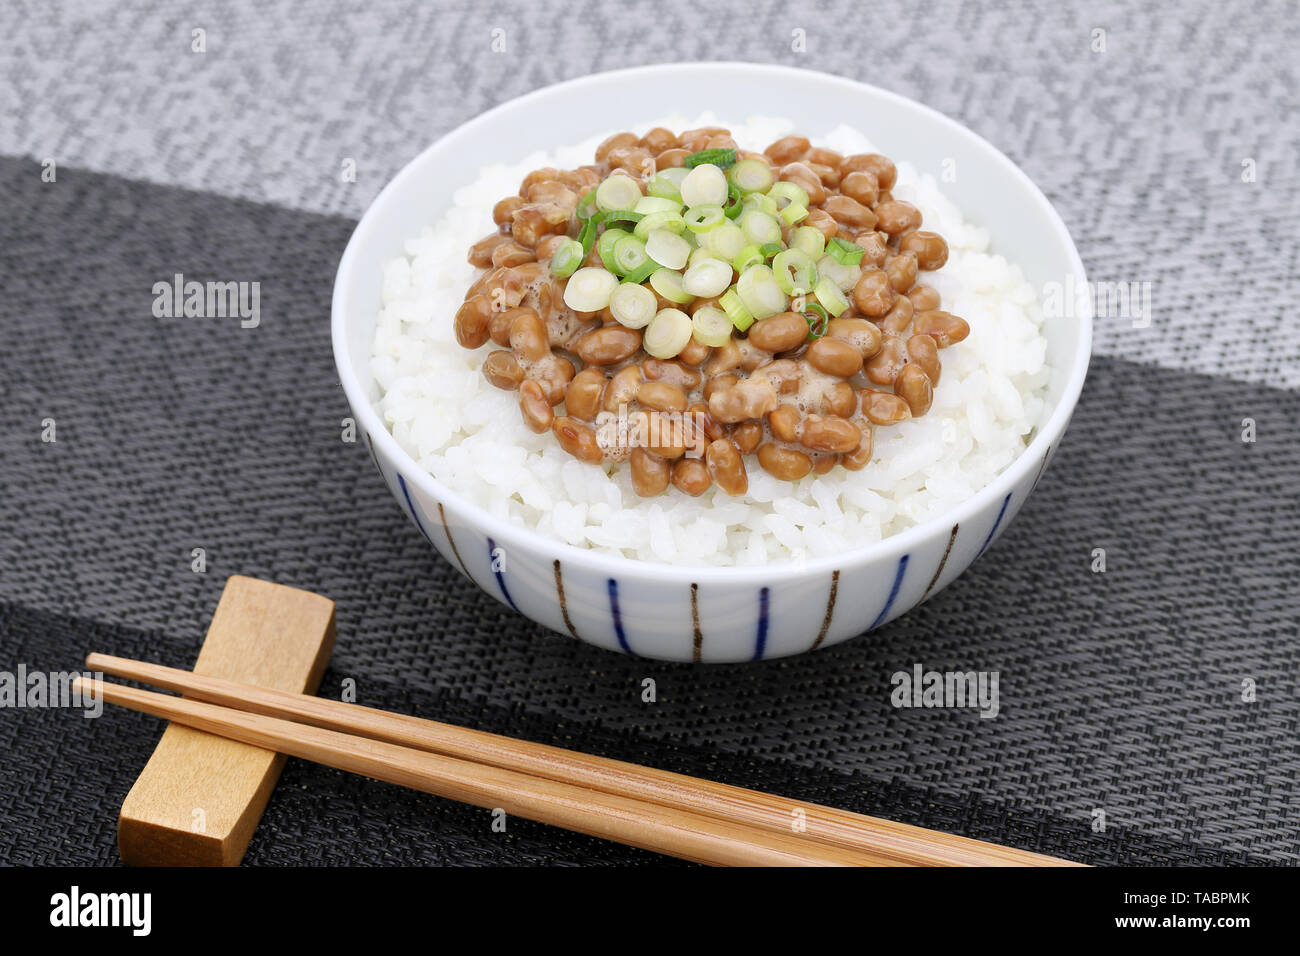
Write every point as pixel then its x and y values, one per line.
pixel 1120 691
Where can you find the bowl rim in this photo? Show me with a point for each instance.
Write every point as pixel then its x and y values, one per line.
pixel 506 533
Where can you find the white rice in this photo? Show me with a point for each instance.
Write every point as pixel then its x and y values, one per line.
pixel 470 435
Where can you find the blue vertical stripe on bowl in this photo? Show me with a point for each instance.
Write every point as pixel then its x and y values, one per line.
pixel 415 516
pixel 499 575
pixel 617 617
pixel 996 523
pixel 893 591
pixel 760 642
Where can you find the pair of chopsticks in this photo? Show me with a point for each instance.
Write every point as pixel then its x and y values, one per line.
pixel 655 810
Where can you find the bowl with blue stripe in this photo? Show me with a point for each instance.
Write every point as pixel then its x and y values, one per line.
pixel 709 614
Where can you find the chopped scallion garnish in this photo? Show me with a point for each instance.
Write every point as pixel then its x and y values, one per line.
pixel 711 326
pixel 722 158
pixel 751 176
pixel 587 236
pixel 735 309
pixel 664 186
pixel 671 221
pixel 760 293
pixel 633 305
pixel 567 257
pixel 704 218
pixel 785 193
pixel 629 255
pixel 762 203
pixel 795 272
pixel 707 278
pixel 622 215
pixel 589 289
pixel 735 201
pixel 605 247
pixel 759 227
pixel 809 241
pixel 830 297
pixel 817 319
pixel 844 252
pixel 747 257
pixel 642 272
pixel 669 285
pixel 618 191
pixel 794 213
pixel 667 248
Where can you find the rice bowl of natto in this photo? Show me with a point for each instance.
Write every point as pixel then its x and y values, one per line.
pixel 787 565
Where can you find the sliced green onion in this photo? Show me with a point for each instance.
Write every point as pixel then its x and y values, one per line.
pixel 790 193
pixel 667 248
pixel 589 289
pixel 735 202
pixel 736 310
pixel 659 220
pixel 618 192
pixel 667 333
pixel 704 186
pixel 669 285
pixel 830 297
pixel 621 215
pixel 760 293
pixel 567 257
pixel 605 247
pixel 629 255
pixel 770 249
pixel 726 241
pixel 794 213
pixel 844 277
pixel 759 227
pixel 795 272
pixel 844 252
pixel 633 305
pixel 648 204
pixel 702 254
pixel 747 257
pixel 704 218
pixel 722 158
pixel 809 241
pixel 662 186
pixel 707 278
pixel 711 326
pixel 762 203
pixel 817 320
pixel 642 272
pixel 586 205
pixel 587 236
pixel 751 176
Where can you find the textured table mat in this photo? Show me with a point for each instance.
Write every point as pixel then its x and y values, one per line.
pixel 1120 691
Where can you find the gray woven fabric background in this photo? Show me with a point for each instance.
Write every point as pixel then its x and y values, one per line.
pixel 1120 691
pixel 1140 147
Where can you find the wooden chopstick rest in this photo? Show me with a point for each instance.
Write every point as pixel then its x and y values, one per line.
pixel 198 799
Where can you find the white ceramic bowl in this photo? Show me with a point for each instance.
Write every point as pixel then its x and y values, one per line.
pixel 709 614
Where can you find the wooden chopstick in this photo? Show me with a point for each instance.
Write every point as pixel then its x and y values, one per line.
pixel 636 823
pixel 883 841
